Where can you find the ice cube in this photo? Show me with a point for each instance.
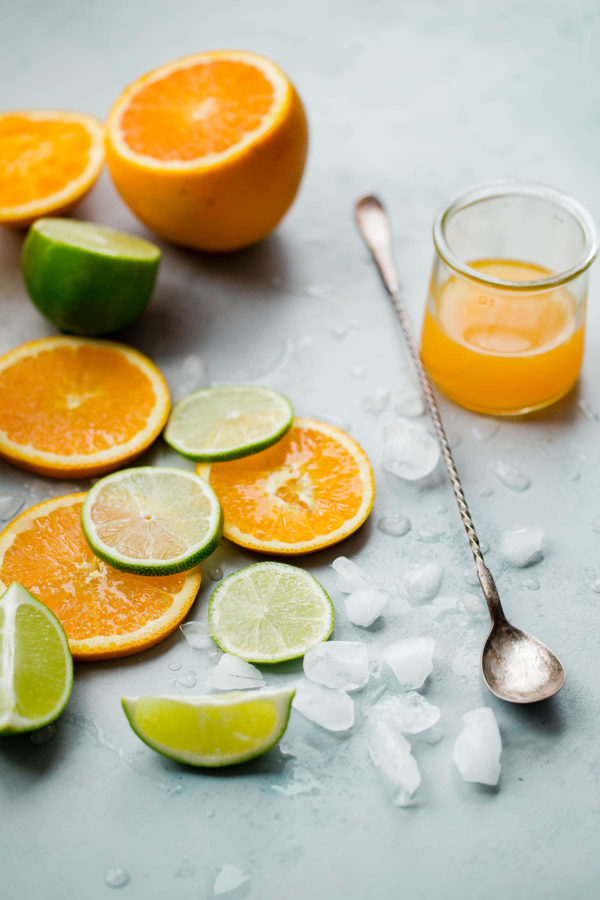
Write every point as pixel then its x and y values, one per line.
pixel 411 660
pixel 338 664
pixel 366 605
pixel 228 879
pixel 522 546
pixel 197 635
pixel 474 605
pixel 511 476
pixel 423 582
pixel 409 450
pixel 441 605
pixel 331 709
pixel 478 747
pixel 352 576
pixel 391 754
pixel 410 712
pixel 234 674
pixel 408 401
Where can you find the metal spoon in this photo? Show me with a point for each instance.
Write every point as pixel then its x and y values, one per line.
pixel 515 666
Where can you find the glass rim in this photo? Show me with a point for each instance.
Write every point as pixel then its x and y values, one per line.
pixel 507 188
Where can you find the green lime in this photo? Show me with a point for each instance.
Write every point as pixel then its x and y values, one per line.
pixel 269 612
pixel 35 663
pixel 228 422
pixel 86 278
pixel 218 730
pixel 152 520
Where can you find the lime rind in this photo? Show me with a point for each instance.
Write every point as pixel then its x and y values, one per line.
pixel 277 409
pixel 297 651
pixel 153 566
pixel 11 722
pixel 282 698
pixel 89 237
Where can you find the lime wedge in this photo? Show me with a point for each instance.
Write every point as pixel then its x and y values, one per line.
pixel 86 278
pixel 228 422
pixel 36 669
pixel 269 612
pixel 152 520
pixel 218 730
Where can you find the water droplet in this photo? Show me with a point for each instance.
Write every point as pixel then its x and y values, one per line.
pixel 485 548
pixel 429 537
pixel 316 291
pixel 176 789
pixel 470 576
pixel 574 475
pixel 43 735
pixel 397 526
pixel 187 869
pixel 441 509
pixel 486 492
pixel 376 403
pixel 10 504
pixel 512 477
pixel 532 584
pixel 595 585
pixel 175 666
pixel 596 524
pixel 358 371
pixel 215 574
pixel 340 330
pixel 485 429
pixel 116 878
pixel 187 681
pixel 210 813
pixel 434 736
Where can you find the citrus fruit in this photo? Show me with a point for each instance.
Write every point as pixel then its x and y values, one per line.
pixel 269 612
pixel 73 407
pixel 35 662
pixel 86 278
pixel 310 490
pixel 48 160
pixel 228 422
pixel 209 150
pixel 218 730
pixel 105 612
pixel 152 520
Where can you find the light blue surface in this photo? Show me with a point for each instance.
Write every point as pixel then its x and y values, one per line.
pixel 416 100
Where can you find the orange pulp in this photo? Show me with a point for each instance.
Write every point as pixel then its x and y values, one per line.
pixel 498 351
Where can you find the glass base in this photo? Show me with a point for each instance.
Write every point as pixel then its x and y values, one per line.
pixel 503 412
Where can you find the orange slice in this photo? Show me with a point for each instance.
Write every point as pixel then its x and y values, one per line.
pixel 310 490
pixel 105 612
pixel 48 160
pixel 73 407
pixel 209 150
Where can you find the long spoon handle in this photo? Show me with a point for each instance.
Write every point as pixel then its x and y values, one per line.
pixel 373 224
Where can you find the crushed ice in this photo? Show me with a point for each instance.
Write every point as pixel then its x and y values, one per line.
pixel 408 401
pixel 352 576
pixel 478 747
pixel 331 709
pixel 364 606
pixel 410 712
pixel 411 660
pixel 197 634
pixel 522 546
pixel 234 674
pixel 409 450
pixel 391 754
pixel 338 664
pixel 423 582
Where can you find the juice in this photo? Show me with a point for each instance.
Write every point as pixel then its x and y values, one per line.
pixel 501 351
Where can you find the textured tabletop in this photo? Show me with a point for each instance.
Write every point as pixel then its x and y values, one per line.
pixel 416 101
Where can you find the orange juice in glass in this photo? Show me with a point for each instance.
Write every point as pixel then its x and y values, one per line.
pixel 504 323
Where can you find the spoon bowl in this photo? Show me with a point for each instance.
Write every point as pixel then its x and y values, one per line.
pixel 519 668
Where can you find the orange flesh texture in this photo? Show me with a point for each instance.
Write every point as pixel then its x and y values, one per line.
pixel 304 486
pixel 196 111
pixel 74 400
pixel 498 351
pixel 38 158
pixel 53 560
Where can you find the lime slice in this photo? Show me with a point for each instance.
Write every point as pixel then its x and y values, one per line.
pixel 269 612
pixel 218 730
pixel 86 278
pixel 36 669
pixel 152 520
pixel 228 422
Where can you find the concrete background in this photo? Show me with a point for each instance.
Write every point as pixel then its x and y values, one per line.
pixel 415 100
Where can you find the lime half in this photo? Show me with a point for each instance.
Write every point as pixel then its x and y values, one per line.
pixel 36 669
pixel 228 422
pixel 269 612
pixel 86 278
pixel 218 730
pixel 152 520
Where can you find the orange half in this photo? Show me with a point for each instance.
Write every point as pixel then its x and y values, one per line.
pixel 209 150
pixel 105 613
pixel 74 407
pixel 310 490
pixel 48 160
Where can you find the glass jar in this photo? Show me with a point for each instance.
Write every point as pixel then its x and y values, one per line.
pixel 503 332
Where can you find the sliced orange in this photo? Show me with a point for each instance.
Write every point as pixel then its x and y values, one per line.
pixel 48 160
pixel 105 612
pixel 209 150
pixel 310 490
pixel 73 407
